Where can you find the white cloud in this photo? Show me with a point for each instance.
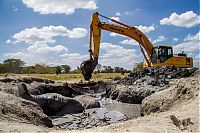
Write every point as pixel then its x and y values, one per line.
pixel 118 14
pixel 45 34
pixel 132 12
pixel 14 8
pixel 186 47
pixel 8 41
pixel 115 18
pixel 128 13
pixel 29 58
pixel 187 19
pixel 193 37
pixel 129 42
pixel 115 34
pixel 146 29
pixel 190 44
pixel 74 59
pixel 60 6
pixel 44 48
pixel 39 41
pixel 175 39
pixel 118 56
pixel 159 39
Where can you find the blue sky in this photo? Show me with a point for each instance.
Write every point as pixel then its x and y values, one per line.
pixel 57 32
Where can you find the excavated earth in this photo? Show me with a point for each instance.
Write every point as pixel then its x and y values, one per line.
pixel 45 105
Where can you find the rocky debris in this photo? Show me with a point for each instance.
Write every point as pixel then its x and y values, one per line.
pixel 181 123
pixel 27 80
pixel 88 102
pixel 134 93
pixel 158 74
pixel 138 85
pixel 18 109
pixel 183 89
pixel 52 103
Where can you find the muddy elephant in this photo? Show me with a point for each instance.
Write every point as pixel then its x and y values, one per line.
pixel 53 104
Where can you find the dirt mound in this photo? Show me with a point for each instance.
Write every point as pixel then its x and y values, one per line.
pixel 159 75
pixel 138 85
pixel 27 80
pixel 18 109
pixel 184 89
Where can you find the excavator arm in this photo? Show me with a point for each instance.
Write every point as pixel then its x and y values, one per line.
pixel 96 26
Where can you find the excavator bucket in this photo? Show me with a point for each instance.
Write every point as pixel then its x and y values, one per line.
pixel 87 67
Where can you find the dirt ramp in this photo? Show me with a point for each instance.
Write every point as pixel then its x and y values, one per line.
pixel 21 110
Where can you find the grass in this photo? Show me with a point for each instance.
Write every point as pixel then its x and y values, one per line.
pixel 73 77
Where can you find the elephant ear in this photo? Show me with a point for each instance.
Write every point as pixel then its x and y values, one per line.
pixel 22 89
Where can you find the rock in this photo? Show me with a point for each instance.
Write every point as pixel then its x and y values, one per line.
pixel 88 102
pixel 19 109
pixel 114 94
pixel 125 97
pixel 52 103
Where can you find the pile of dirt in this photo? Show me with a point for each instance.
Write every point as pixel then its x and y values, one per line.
pixel 28 80
pixel 159 75
pixel 138 85
pixel 185 89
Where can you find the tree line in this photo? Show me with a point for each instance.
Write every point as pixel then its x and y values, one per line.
pixel 18 66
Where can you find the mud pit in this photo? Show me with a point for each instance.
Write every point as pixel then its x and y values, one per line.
pixel 85 105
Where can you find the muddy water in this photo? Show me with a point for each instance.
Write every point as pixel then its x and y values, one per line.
pixel 110 112
pixel 130 110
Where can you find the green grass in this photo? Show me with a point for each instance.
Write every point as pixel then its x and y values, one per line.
pixel 74 77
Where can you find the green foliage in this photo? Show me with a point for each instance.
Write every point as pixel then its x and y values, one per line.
pixel 66 68
pixel 58 70
pixel 13 65
pixel 138 67
pixel 2 68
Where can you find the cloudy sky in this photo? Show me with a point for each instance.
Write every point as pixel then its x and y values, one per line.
pixel 56 32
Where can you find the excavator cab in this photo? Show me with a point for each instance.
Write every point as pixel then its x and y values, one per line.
pixel 161 53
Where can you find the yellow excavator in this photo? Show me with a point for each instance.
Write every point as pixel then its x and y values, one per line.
pixel 155 56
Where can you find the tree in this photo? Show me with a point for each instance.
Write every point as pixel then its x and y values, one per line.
pixel 58 70
pixel 13 65
pixel 138 67
pixel 109 69
pixel 98 68
pixel 2 68
pixel 66 68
